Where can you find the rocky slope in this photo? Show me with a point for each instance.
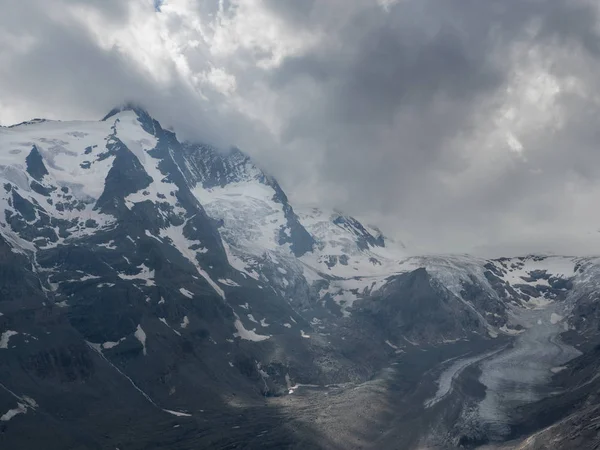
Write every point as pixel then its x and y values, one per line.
pixel 146 282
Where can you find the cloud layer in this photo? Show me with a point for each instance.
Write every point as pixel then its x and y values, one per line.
pixel 460 125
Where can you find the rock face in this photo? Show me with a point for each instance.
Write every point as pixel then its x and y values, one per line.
pixel 149 287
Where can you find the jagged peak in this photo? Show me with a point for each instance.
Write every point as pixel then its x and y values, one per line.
pixel 148 123
pixel 127 106
pixel 219 167
pixel 366 237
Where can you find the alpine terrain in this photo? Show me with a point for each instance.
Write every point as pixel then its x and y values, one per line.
pixel 159 294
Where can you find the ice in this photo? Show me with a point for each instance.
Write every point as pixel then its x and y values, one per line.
pixel 228 282
pixel 446 379
pixel 252 219
pixel 512 377
pixel 304 335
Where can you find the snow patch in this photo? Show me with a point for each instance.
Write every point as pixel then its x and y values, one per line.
pixel 20 409
pixel 185 322
pixel 248 335
pixel 145 274
pixel 109 345
pixel 6 337
pixel 140 335
pixel 187 293
pixel 177 413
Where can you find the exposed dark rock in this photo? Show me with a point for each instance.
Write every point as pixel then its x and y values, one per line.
pixel 35 164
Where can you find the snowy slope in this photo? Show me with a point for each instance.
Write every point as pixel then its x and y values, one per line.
pixel 65 181
pixel 347 248
pixel 111 185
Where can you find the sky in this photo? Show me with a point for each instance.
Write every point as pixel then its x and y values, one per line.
pixel 454 125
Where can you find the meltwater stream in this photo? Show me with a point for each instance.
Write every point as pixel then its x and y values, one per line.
pixel 516 375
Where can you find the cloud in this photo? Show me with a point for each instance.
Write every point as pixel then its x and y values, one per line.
pixel 458 124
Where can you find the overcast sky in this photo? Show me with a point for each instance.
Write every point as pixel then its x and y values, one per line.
pixel 457 125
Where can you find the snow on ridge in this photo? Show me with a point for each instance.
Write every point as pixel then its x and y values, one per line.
pixel 252 218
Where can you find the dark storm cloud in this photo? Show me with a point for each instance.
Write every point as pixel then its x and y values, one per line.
pixel 457 123
pixel 391 89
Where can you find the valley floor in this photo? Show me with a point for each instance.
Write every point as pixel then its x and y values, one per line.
pixel 457 395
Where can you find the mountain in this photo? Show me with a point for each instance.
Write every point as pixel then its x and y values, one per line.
pixel 155 292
